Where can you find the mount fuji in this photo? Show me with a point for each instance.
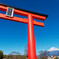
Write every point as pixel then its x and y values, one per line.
pixel 51 52
pixel 53 49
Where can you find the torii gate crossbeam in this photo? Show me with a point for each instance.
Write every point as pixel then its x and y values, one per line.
pixel 30 15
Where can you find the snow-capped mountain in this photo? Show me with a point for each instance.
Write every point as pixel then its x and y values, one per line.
pixel 53 49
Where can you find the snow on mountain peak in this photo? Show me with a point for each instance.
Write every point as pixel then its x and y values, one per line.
pixel 53 49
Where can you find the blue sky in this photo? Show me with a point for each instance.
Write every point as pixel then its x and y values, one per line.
pixel 13 35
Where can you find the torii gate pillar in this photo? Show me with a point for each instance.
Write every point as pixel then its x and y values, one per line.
pixel 31 39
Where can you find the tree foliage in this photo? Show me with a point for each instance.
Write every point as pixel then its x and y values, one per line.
pixel 1 54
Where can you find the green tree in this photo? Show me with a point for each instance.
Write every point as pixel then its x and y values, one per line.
pixel 1 54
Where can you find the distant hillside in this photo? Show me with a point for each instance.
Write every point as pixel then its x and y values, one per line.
pixel 14 53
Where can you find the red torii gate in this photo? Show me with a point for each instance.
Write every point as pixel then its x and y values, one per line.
pixel 30 15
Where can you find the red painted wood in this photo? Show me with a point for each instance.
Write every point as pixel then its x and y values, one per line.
pixel 30 22
pixel 19 12
pixel 31 39
pixel 18 19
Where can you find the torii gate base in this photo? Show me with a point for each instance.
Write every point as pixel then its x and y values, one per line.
pixel 31 39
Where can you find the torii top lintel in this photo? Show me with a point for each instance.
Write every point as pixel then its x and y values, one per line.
pixel 23 12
